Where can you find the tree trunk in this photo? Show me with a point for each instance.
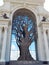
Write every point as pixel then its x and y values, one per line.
pixel 24 53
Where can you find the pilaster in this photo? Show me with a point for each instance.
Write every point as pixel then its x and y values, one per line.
pixel 4 43
pixel 45 28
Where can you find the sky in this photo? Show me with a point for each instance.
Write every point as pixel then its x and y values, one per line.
pixel 46 5
pixel 1 2
pixel 13 56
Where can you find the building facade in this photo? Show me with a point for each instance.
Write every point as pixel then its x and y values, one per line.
pixel 7 12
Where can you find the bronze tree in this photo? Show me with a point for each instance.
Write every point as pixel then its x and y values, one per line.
pixel 24 30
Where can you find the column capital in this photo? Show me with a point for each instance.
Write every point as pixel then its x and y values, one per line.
pixel 5 27
pixel 44 30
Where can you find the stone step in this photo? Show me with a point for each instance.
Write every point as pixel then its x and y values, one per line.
pixel 24 63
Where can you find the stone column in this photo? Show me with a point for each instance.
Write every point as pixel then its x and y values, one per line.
pixel 8 44
pixel 48 38
pixel 0 41
pixel 46 46
pixel 4 43
pixel 0 34
pixel 40 46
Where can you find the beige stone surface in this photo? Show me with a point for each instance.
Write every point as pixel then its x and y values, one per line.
pixel 35 6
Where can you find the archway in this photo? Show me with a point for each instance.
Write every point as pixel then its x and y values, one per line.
pixel 24 29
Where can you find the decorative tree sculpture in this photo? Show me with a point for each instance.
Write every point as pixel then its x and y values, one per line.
pixel 24 31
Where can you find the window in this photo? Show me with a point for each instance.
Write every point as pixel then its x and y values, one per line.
pixel 23 25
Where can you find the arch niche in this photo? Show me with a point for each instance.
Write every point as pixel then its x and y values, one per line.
pixel 24 28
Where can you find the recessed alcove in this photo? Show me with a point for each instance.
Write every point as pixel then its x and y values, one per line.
pixel 29 18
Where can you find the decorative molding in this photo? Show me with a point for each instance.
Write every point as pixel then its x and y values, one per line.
pixel 4 22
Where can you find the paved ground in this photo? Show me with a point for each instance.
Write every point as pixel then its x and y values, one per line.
pixel 24 63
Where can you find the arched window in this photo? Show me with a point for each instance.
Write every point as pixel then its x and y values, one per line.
pixel 23 28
